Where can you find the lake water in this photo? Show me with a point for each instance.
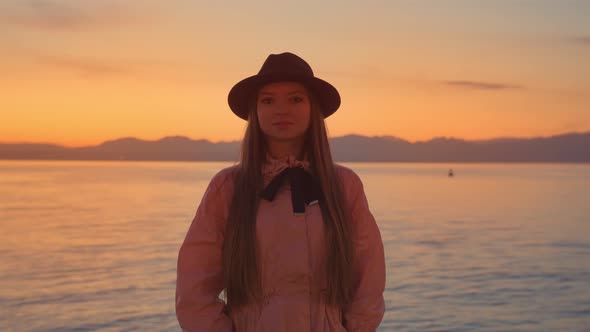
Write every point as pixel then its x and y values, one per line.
pixel 90 246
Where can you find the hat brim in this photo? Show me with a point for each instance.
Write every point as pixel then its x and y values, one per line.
pixel 242 93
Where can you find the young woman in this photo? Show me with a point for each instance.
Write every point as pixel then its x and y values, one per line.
pixel 286 234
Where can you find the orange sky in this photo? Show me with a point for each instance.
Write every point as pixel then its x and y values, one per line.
pixel 79 73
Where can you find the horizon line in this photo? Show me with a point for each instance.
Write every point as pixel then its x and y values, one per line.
pixel 332 137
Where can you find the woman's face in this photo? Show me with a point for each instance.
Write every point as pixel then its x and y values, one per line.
pixel 283 110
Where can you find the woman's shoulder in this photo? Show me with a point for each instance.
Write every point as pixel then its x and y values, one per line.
pixel 350 182
pixel 347 175
pixel 223 180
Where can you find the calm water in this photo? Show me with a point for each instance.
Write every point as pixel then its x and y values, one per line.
pixel 499 247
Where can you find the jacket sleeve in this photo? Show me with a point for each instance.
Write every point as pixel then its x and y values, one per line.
pixel 367 306
pixel 199 270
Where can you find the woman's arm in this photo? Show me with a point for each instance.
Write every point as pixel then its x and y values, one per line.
pixel 199 271
pixel 367 307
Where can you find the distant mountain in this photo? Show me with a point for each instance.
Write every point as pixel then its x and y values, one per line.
pixel 570 147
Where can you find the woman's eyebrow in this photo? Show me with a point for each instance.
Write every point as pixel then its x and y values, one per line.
pixel 296 91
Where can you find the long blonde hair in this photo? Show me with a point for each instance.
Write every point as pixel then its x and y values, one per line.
pixel 241 275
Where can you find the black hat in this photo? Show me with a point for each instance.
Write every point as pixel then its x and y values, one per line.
pixel 283 67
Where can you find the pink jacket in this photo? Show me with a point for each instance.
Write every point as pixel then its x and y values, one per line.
pixel 292 255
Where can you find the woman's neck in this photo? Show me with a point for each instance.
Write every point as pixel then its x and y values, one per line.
pixel 278 149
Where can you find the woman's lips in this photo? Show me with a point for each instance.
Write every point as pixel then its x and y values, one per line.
pixel 282 123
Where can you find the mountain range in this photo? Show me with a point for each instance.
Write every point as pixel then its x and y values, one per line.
pixel 569 148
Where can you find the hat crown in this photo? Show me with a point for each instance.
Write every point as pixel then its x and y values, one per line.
pixel 285 63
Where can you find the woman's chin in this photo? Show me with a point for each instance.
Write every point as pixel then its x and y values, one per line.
pixel 285 137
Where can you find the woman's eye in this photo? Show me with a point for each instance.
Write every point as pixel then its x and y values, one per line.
pixel 265 100
pixel 297 99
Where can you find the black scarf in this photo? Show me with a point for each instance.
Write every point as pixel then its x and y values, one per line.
pixel 305 188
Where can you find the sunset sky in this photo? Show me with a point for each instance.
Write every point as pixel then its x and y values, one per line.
pixel 81 72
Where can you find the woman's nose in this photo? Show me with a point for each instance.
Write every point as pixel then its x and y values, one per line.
pixel 281 108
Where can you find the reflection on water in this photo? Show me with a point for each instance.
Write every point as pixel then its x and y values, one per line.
pixel 497 247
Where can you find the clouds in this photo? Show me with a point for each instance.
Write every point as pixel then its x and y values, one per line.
pixel 85 38
pixel 56 15
pixel 378 76
pixel 85 67
pixel 478 85
pixel 582 40
pixel 97 67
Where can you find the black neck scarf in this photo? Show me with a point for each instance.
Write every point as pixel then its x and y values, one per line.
pixel 305 188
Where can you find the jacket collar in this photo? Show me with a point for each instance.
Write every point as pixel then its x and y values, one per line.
pixel 305 189
pixel 273 166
